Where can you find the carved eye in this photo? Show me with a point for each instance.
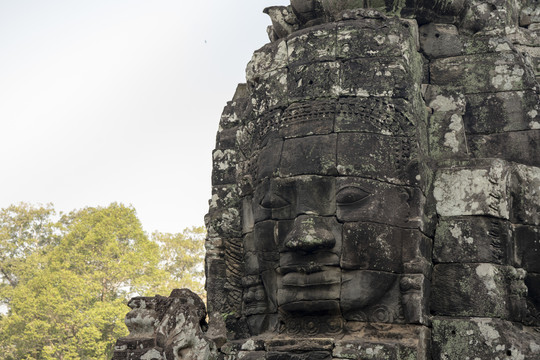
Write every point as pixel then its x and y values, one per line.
pixel 351 195
pixel 273 201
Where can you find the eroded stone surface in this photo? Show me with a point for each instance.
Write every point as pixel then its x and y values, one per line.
pixel 388 175
pixel 482 338
pixel 376 186
pixel 166 328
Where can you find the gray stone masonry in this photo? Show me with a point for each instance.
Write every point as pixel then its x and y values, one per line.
pixel 375 191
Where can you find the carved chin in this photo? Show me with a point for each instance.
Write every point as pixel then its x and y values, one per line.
pixel 311 307
pixel 255 308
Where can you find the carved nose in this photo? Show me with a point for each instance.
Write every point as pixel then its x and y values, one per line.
pixel 309 233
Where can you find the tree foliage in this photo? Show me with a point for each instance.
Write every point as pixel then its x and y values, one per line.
pixel 26 233
pixel 182 257
pixel 66 279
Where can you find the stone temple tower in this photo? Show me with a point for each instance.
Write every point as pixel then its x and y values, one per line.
pixel 375 191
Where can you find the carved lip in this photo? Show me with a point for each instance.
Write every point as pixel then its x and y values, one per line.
pixel 325 276
pixel 302 268
pixel 307 263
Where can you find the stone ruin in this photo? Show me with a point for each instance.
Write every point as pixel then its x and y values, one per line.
pixel 376 192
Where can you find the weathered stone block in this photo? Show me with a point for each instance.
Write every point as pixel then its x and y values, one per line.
pixel 235 109
pixel 482 338
pixel 385 116
pixel 415 289
pixel 392 341
pixel 475 239
pixel 416 252
pixel 269 90
pixel 502 112
pixel 444 41
pixel 490 18
pixel 224 166
pixel 372 246
pixel 226 138
pixel 441 100
pixel 527 240
pixel 259 212
pixel 313 81
pixel 261 323
pixel 371 296
pixel 447 136
pixel 136 342
pixel 532 54
pixel 300 344
pixel 262 130
pixel 483 73
pixel 525 191
pixel 316 324
pixel 248 220
pixel 315 155
pixel 312 45
pixel 446 131
pixel 224 223
pixel 365 349
pixel 269 159
pixel 119 355
pixel 286 198
pixel 253 345
pixel 381 76
pixel 310 355
pixel 470 290
pixel 532 281
pixel 521 146
pixel 310 118
pixel 440 40
pixel 269 58
pixel 366 200
pixel 479 189
pixel 224 196
pixel 389 157
pixel 263 237
pixel 252 355
pixel 374 38
pixel 150 354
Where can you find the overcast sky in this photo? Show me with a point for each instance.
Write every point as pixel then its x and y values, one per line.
pixel 119 100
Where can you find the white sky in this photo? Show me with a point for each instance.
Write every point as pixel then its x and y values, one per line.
pixel 119 100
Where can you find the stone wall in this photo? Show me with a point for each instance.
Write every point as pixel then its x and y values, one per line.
pixel 376 186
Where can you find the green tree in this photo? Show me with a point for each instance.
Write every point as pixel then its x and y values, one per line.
pixel 182 259
pixel 110 248
pixel 66 279
pixel 26 233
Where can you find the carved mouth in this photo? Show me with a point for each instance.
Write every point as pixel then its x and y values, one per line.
pixel 307 263
pixel 303 268
pixel 324 275
pixel 297 287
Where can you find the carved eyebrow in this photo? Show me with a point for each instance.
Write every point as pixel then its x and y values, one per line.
pixel 273 201
pixel 350 195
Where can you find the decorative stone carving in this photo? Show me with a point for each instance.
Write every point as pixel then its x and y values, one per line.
pixel 164 328
pixel 335 231
pixel 376 186
pixel 389 180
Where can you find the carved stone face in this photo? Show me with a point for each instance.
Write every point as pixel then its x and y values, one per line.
pixel 351 155
pixel 328 227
